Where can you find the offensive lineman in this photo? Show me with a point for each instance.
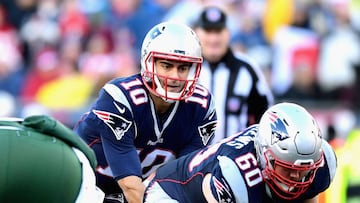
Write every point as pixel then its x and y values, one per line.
pixel 281 159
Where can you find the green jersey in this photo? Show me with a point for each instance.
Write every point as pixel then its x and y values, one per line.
pixel 44 161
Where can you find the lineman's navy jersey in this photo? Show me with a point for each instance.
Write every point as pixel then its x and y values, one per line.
pixel 236 175
pixel 129 138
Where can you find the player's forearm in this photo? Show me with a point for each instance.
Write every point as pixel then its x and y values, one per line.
pixel 134 195
pixel 133 189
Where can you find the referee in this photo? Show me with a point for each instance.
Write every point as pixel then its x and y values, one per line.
pixel 238 85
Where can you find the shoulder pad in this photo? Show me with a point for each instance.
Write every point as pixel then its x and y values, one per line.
pixel 49 126
pixel 232 175
pixel 330 158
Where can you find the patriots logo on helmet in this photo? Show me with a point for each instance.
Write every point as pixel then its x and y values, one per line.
pixel 156 32
pixel 223 191
pixel 278 129
pixel 116 123
pixel 206 131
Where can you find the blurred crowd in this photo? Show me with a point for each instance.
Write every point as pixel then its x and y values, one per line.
pixel 56 54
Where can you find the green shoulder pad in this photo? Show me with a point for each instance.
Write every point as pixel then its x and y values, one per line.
pixel 49 126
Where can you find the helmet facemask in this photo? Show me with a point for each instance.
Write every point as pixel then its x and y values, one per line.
pixel 286 187
pixel 152 78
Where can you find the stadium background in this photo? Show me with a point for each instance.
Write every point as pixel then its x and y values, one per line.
pixel 56 54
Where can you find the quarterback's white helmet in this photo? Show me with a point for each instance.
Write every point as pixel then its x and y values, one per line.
pixel 170 41
pixel 289 137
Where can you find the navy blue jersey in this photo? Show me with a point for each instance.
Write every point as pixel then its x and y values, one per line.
pixel 130 138
pixel 236 175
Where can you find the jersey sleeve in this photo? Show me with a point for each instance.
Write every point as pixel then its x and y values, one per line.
pixel 227 184
pixel 205 126
pixel 119 134
pixel 111 120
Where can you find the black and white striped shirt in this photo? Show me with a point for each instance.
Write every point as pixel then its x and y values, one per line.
pixel 240 91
